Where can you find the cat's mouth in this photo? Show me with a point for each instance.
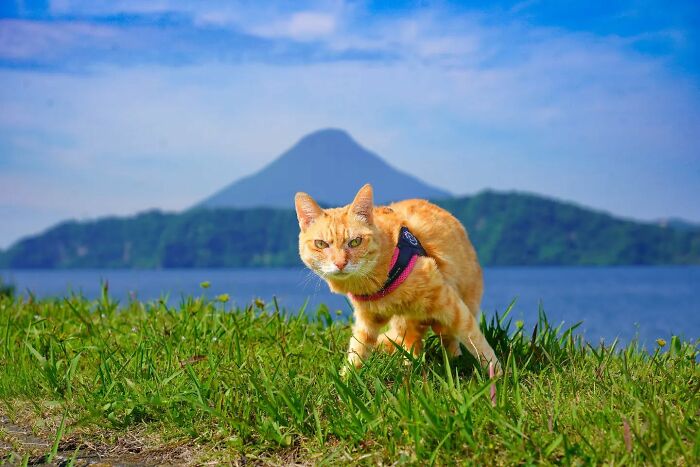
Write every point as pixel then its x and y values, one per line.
pixel 339 275
pixel 348 272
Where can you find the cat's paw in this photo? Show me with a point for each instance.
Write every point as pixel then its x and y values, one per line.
pixel 354 361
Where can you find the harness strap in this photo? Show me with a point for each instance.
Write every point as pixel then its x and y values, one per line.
pixel 406 253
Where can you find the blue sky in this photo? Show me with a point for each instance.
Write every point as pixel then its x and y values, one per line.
pixel 112 107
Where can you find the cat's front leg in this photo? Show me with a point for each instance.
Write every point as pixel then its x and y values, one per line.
pixel 405 332
pixel 456 324
pixel 365 332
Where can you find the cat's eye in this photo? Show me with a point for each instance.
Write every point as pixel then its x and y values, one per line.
pixel 355 242
pixel 320 244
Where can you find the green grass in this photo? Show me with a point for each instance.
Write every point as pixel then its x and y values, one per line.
pixel 254 382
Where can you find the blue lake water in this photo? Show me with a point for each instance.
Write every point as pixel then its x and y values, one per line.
pixel 624 302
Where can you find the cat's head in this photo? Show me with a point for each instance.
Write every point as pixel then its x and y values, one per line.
pixel 341 243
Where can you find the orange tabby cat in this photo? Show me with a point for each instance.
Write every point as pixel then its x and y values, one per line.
pixel 354 247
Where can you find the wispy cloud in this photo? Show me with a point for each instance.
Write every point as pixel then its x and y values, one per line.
pixel 301 26
pixel 31 41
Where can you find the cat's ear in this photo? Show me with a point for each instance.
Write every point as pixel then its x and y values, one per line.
pixel 307 210
pixel 363 205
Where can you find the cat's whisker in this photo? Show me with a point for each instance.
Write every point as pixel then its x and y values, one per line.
pixel 306 279
pixel 314 280
pixel 310 275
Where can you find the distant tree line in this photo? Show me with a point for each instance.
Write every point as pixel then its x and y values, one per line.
pixel 506 228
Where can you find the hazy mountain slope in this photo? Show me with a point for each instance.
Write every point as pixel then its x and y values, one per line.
pixel 526 229
pixel 330 166
pixel 506 228
pixel 110 242
pixel 678 224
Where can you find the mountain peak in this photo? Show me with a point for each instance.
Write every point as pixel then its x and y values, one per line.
pixel 335 135
pixel 321 145
pixel 329 144
pixel 328 164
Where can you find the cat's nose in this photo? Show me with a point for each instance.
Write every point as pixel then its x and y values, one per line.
pixel 340 264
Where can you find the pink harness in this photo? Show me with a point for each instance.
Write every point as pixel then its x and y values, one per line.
pixel 406 253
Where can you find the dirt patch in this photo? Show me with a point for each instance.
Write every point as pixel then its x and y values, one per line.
pixel 27 434
pixel 19 443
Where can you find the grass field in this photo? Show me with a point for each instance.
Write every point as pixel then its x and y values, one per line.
pixel 202 382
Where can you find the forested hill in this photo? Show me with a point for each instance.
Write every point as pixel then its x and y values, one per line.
pixel 506 228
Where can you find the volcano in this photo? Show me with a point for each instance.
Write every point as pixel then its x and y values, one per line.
pixel 329 165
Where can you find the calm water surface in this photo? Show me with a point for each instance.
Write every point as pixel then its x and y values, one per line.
pixel 625 302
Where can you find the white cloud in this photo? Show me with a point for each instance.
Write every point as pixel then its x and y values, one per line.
pixel 300 26
pixel 21 39
pixel 309 25
pixel 106 7
pixel 301 21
